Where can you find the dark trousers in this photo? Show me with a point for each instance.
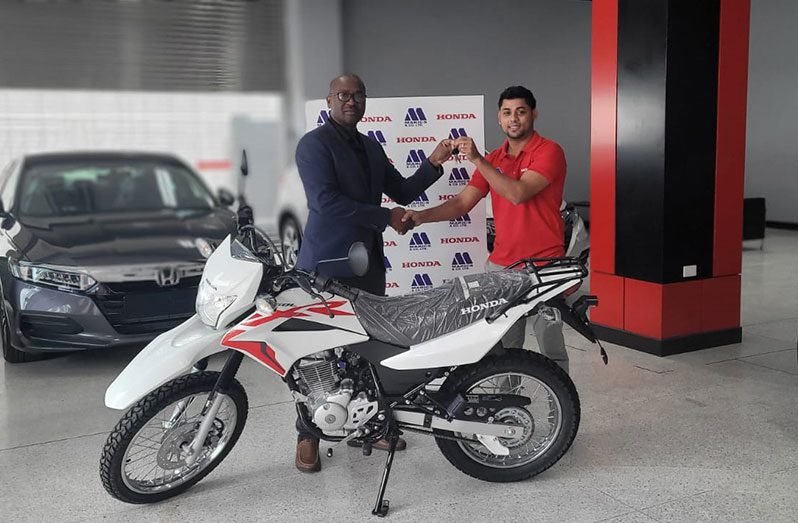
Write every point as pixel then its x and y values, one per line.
pixel 372 282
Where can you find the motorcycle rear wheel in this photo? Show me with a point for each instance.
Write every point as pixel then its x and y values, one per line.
pixel 143 460
pixel 547 426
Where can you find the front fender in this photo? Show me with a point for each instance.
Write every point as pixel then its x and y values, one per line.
pixel 168 356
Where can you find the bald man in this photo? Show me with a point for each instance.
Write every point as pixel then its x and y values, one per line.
pixel 345 173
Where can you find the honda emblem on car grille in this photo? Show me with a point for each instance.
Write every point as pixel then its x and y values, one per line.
pixel 167 276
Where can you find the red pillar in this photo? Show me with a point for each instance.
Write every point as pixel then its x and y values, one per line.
pixel 649 298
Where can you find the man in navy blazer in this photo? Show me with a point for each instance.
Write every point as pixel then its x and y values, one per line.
pixel 345 174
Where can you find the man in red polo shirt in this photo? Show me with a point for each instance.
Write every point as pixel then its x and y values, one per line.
pixel 525 178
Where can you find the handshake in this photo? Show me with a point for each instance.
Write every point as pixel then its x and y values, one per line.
pixel 402 220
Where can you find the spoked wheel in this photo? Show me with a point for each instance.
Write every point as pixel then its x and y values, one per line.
pixel 291 241
pixel 146 459
pixel 546 427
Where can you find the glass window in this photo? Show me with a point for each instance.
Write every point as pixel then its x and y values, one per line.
pixel 54 189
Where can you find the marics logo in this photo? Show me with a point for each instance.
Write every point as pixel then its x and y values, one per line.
pixel 376 119
pixel 462 239
pixel 482 306
pixel 456 116
pixel 416 139
pixel 416 264
pixel 389 243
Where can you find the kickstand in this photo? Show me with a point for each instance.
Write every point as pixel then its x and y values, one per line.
pixel 381 508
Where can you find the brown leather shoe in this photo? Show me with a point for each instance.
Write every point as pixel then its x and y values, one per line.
pixel 307 455
pixel 382 444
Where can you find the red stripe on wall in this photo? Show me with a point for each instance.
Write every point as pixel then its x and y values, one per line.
pixel 730 148
pixel 604 90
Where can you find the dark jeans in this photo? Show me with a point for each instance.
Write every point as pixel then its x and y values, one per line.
pixel 372 282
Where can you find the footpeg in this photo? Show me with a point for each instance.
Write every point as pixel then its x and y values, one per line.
pixel 367 450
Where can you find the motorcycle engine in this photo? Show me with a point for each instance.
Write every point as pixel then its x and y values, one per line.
pixel 329 393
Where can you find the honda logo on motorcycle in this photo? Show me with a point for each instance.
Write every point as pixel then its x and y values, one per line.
pixel 477 307
pixel 167 277
pixel 322 119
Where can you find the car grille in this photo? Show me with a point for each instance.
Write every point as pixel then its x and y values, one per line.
pixel 143 307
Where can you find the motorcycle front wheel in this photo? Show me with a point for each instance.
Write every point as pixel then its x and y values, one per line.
pixel 144 459
pixel 547 425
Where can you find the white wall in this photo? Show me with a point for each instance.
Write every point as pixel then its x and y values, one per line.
pixel 771 163
pixel 448 47
pixel 195 126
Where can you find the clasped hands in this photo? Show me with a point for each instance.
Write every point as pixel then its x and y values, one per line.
pixel 401 219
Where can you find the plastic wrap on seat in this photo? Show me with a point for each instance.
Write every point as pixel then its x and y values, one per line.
pixel 415 318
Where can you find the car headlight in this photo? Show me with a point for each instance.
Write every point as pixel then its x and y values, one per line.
pixel 205 247
pixel 210 305
pixel 51 277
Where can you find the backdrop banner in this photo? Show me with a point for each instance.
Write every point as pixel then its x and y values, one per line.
pixel 409 129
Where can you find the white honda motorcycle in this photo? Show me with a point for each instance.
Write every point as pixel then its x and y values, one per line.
pixel 361 367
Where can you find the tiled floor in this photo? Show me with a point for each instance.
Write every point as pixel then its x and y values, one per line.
pixel 703 436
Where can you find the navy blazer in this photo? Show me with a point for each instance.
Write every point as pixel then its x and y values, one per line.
pixel 344 203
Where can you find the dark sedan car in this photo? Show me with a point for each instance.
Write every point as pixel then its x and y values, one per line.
pixel 101 250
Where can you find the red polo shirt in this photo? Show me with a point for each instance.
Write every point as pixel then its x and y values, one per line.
pixel 534 228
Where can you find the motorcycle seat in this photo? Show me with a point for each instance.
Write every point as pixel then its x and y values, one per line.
pixel 415 318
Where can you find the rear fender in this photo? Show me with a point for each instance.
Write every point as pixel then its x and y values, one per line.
pixel 168 356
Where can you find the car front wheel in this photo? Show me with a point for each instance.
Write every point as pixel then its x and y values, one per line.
pixel 291 240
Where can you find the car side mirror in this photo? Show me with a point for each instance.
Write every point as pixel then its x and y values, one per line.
pixel 6 219
pixel 358 258
pixel 226 198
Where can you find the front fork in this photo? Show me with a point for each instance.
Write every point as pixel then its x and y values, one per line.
pixel 213 403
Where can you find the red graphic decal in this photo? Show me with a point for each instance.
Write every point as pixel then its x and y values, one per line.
pixel 298 312
pixel 257 349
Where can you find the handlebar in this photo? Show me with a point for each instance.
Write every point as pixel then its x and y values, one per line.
pixel 326 284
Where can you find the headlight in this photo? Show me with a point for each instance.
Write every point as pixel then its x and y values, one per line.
pixel 211 305
pixel 205 247
pixel 60 279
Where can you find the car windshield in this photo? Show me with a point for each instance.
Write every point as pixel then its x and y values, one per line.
pixel 55 189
